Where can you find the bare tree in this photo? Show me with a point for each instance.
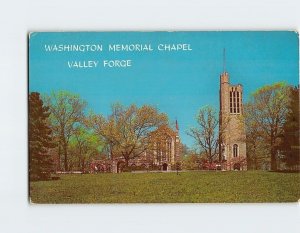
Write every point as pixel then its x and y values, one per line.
pixel 206 134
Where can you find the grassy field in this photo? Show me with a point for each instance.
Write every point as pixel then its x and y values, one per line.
pixel 187 187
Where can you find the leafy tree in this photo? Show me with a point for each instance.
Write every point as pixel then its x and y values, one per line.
pixel 190 162
pixel 290 143
pixel 258 152
pixel 128 131
pixel 205 134
pixel 67 111
pixel 40 140
pixel 84 145
pixel 265 115
pixel 185 150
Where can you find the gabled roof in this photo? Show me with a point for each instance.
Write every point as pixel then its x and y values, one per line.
pixel 166 129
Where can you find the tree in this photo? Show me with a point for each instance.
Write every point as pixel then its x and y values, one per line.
pixel 290 143
pixel 191 159
pixel 205 134
pixel 84 145
pixel 128 131
pixel 66 111
pixel 258 152
pixel 265 116
pixel 40 140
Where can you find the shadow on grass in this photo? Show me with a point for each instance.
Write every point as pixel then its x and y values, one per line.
pixel 48 179
pixel 286 171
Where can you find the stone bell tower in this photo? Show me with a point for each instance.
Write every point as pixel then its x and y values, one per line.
pixel 232 134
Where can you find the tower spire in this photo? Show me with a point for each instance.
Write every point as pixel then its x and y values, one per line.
pixel 224 60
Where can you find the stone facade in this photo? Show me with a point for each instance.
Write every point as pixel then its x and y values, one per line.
pixel 232 128
pixel 168 148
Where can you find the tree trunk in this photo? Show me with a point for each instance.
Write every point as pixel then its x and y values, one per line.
pixel 273 156
pixel 126 162
pixel 255 163
pixel 80 158
pixel 255 158
pixel 126 157
pixel 66 156
pixel 273 160
pixel 220 154
pixel 82 165
pixel 59 157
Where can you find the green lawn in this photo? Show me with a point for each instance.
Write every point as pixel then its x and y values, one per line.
pixel 187 187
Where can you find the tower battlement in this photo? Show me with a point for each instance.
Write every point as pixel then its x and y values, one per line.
pixel 224 78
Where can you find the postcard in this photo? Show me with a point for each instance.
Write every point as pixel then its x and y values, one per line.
pixel 163 117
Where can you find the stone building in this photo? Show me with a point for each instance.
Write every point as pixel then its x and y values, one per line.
pixel 166 153
pixel 164 156
pixel 232 134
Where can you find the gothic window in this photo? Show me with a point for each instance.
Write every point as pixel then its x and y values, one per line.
pixel 242 102
pixel 230 101
pixel 238 102
pixel 158 151
pixel 223 152
pixel 234 102
pixel 169 147
pixel 235 150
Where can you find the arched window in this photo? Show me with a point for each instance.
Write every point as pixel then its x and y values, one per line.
pixel 238 102
pixel 169 148
pixel 235 150
pixel 231 111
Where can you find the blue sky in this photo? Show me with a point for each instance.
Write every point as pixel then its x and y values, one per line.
pixel 178 83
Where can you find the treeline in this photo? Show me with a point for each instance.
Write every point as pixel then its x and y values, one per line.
pixel 64 137
pixel 63 133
